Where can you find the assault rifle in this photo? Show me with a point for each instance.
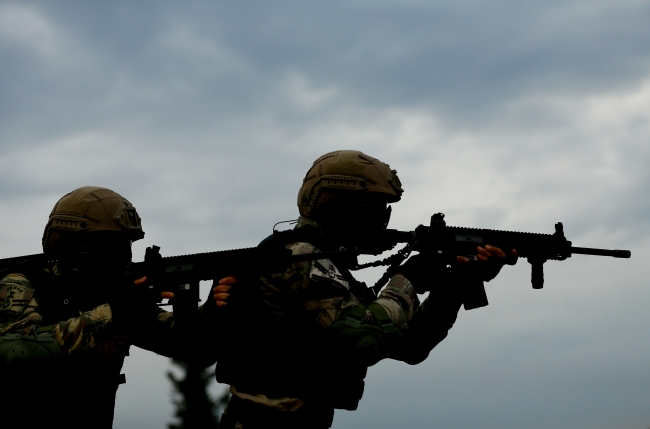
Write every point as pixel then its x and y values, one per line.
pixel 182 274
pixel 444 243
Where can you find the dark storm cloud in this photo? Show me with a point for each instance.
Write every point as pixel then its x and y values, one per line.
pixel 211 61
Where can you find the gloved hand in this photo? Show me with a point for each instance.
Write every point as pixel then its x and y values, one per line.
pixel 424 271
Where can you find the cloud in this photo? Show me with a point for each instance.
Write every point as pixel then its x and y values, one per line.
pixel 27 28
pixel 503 115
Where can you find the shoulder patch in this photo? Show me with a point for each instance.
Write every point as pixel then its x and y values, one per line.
pixel 15 278
pixel 15 293
pixel 324 271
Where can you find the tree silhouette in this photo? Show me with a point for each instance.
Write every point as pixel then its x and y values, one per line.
pixel 195 408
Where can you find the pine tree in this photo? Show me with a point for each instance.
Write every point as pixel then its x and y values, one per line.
pixel 195 408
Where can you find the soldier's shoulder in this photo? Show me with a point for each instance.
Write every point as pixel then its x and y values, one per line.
pixel 15 288
pixel 320 271
pixel 301 248
pixel 297 271
pixel 296 275
pixel 17 303
pixel 15 279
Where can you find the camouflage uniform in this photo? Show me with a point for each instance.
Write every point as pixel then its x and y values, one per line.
pixel 293 366
pixel 77 383
pixel 64 332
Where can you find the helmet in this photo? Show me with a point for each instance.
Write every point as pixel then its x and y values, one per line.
pixel 351 171
pixel 90 209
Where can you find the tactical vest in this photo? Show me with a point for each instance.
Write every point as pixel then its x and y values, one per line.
pixel 290 357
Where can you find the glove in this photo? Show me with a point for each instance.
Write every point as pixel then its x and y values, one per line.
pixel 424 271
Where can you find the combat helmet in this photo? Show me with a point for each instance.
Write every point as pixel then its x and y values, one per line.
pixel 351 171
pixel 90 209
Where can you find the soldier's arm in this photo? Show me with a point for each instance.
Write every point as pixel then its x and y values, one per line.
pixel 318 291
pixel 196 344
pixel 418 328
pixel 427 324
pixel 324 296
pixel 20 314
pixel 83 333
pixel 162 336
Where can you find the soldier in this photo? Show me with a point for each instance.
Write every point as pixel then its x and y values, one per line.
pixel 303 348
pixel 65 329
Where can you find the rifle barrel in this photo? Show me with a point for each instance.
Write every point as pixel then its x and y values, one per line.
pixel 601 252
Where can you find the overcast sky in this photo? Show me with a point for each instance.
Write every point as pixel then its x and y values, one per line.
pixel 503 114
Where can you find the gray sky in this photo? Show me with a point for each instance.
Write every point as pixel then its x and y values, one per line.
pixel 507 115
